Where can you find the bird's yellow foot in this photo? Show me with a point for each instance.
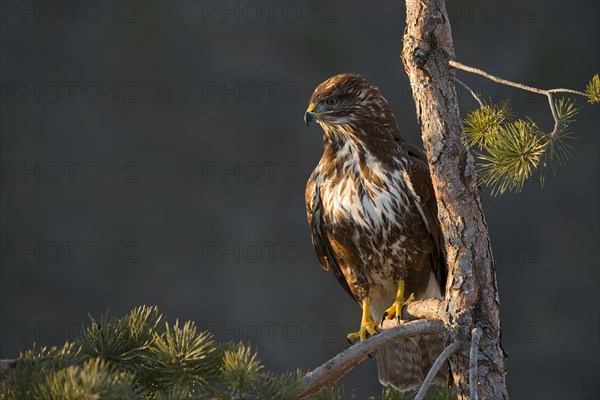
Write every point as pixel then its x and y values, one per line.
pixel 367 325
pixel 396 308
pixel 366 329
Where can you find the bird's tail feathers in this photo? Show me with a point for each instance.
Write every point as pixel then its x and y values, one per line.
pixel 404 364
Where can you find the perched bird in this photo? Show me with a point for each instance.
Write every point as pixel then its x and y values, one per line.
pixel 373 219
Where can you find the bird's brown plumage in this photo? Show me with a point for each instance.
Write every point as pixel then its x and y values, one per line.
pixel 372 213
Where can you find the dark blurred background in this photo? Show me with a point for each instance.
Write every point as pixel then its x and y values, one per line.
pixel 154 153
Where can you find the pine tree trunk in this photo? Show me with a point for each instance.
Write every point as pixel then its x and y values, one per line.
pixel 471 292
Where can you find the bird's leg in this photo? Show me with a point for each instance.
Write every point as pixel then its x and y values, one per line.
pixel 367 325
pixel 396 307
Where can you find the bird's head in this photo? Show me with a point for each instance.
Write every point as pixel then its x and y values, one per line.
pixel 347 99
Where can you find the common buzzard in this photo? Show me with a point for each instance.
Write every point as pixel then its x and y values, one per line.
pixel 373 219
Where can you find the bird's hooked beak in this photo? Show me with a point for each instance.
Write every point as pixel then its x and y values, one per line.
pixel 309 115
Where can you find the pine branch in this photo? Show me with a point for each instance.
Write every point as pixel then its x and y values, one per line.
pixel 427 310
pixel 548 93
pixel 513 151
pixel 340 365
pixel 141 356
pixel 497 79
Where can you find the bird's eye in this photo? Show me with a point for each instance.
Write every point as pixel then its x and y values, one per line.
pixel 331 101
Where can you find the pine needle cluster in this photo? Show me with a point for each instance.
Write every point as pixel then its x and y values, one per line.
pixel 592 90
pixel 143 357
pixel 511 151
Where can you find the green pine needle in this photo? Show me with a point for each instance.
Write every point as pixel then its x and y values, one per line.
pixel 34 364
pixel 284 387
pixel 142 357
pixel 558 150
pixel 182 357
pixel 558 145
pixel 566 110
pixel 242 373
pixel 239 364
pixel 125 340
pixel 482 125
pixel 94 379
pixel 592 90
pixel 511 152
pixel 512 157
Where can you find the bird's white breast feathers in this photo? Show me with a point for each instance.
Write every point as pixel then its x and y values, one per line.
pixel 362 200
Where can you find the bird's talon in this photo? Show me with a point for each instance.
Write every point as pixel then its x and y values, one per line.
pixel 395 309
pixel 366 330
pixel 384 315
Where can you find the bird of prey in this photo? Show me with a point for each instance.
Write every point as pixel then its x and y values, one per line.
pixel 373 219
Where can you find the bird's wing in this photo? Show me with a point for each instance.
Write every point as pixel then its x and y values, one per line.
pixel 320 241
pixel 420 182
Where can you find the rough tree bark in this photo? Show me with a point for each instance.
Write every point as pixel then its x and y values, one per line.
pixel 471 293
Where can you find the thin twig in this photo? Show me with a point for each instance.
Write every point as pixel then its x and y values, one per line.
pixel 344 362
pixel 494 78
pixel 470 91
pixel 564 90
pixel 545 92
pixel 452 347
pixel 475 336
